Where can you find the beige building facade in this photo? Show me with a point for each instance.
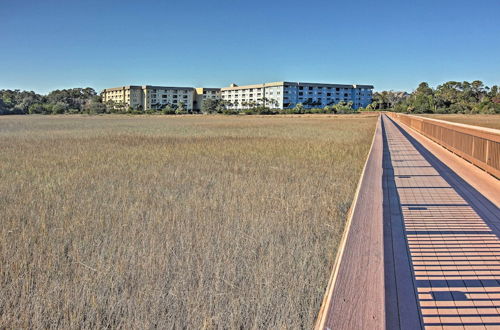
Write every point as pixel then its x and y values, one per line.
pixel 202 94
pixel 150 97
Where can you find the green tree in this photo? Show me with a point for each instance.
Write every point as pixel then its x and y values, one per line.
pixel 209 106
pixel 299 108
pixel 168 110
pixel 3 107
pixel 94 107
pixel 59 108
pixel 181 108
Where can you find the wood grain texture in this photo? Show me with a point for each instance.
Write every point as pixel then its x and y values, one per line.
pixel 488 185
pixel 478 145
pixel 355 297
pixel 451 233
pixel 421 248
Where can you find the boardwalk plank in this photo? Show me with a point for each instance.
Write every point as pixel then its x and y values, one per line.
pixel 430 255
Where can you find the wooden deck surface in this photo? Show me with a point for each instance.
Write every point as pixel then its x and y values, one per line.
pixel 428 258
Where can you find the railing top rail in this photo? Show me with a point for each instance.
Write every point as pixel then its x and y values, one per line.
pixel 483 132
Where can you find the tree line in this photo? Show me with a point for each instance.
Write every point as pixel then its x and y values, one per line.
pixel 74 100
pixel 450 97
pixel 87 101
pixel 261 107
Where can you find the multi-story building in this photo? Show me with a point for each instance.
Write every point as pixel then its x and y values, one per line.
pixel 278 95
pixel 150 97
pixel 203 94
pixel 129 95
pixel 284 94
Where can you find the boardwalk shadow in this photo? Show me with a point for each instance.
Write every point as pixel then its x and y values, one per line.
pixel 402 311
pixel 435 245
pixel 481 205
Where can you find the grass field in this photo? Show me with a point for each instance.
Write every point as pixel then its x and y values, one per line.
pixel 173 222
pixel 491 121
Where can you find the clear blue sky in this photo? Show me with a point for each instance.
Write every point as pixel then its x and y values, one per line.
pixel 53 44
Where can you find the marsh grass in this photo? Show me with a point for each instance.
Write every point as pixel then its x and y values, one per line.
pixel 177 222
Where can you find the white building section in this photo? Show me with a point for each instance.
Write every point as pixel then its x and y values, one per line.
pixel 284 94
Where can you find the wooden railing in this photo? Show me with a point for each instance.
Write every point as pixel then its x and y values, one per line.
pixel 478 145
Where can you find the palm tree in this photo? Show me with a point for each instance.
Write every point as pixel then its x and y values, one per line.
pixel 274 102
pixel 264 100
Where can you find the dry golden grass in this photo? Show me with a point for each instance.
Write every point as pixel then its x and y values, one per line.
pixel 173 222
pixel 491 121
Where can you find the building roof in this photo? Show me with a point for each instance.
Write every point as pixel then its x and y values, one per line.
pixel 235 87
pixel 281 83
pixel 144 87
pixel 166 87
pixel 119 88
pixel 201 89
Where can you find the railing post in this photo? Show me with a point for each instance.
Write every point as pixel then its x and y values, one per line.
pixel 473 147
pixel 487 153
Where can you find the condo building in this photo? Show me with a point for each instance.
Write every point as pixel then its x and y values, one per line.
pixel 278 95
pixel 150 97
pixel 284 94
pixel 202 94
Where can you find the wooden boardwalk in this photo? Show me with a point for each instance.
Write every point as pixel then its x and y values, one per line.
pixel 429 258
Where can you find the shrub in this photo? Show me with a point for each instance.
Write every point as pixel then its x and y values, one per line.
pixel 168 110
pixel 230 112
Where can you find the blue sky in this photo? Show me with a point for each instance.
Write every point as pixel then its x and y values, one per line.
pixel 53 44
